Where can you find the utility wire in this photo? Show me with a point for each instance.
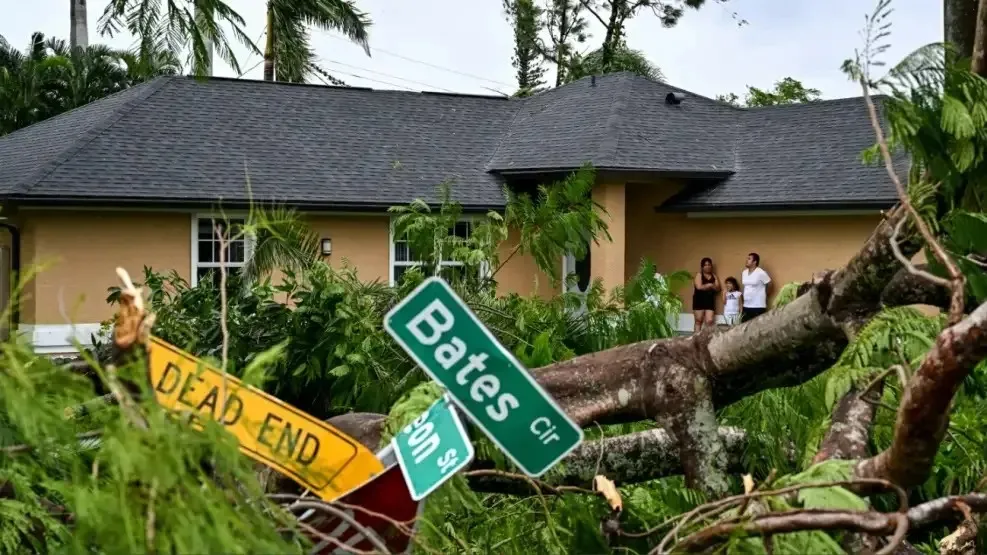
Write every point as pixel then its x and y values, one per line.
pixel 365 79
pixel 365 70
pixel 413 60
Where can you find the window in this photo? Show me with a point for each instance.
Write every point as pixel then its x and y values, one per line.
pixel 404 256
pixel 206 248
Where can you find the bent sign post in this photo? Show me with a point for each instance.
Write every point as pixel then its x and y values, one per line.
pixel 452 346
pixel 315 454
pixel 432 449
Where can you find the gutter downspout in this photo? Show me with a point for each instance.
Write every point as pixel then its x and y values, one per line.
pixel 15 271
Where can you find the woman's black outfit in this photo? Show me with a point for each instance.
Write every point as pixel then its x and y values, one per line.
pixel 704 299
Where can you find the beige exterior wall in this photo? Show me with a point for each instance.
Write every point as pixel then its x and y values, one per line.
pixel 76 254
pixel 77 251
pixel 608 257
pixel 360 242
pixel 792 248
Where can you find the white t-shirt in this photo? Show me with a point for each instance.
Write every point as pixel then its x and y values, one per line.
pixel 755 288
pixel 732 304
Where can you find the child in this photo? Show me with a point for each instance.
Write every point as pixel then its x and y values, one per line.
pixel 732 301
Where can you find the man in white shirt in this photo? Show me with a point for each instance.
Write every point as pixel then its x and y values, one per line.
pixel 755 281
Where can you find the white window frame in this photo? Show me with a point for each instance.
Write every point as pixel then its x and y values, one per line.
pixel 248 247
pixel 393 263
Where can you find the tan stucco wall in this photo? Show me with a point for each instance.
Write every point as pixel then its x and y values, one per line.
pixel 791 248
pixel 520 274
pixel 77 253
pixel 608 256
pixel 359 242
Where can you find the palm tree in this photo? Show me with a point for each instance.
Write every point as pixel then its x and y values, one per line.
pixel 287 52
pixel 193 26
pixel 78 24
pixel 50 77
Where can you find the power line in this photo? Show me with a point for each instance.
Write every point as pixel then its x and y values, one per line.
pixel 441 68
pixel 365 79
pixel 365 70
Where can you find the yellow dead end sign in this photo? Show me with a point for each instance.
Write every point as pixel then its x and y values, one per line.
pixel 315 454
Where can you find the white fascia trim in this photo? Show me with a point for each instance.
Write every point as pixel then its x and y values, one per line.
pixel 370 214
pixel 54 339
pixel 779 213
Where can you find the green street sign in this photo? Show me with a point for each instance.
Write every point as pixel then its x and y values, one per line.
pixel 432 449
pixel 450 343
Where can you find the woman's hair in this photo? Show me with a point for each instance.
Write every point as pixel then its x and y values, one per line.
pixel 704 261
pixel 733 281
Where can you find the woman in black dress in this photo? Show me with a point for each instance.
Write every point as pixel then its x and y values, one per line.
pixel 704 296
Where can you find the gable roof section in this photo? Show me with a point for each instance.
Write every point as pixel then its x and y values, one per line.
pixel 177 140
pixel 619 121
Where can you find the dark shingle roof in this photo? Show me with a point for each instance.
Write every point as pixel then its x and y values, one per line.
pixel 177 140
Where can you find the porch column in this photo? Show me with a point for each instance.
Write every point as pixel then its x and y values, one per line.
pixel 607 257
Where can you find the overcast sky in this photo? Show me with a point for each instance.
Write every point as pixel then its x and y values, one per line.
pixel 466 45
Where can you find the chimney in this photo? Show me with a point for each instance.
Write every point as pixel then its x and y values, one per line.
pixel 592 80
pixel 674 98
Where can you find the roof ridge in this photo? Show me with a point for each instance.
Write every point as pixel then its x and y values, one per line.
pixel 608 152
pixel 816 102
pixel 151 87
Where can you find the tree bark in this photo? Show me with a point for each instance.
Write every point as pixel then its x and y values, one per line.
pixel 923 413
pixel 78 25
pixel 269 47
pixel 627 459
pixel 959 24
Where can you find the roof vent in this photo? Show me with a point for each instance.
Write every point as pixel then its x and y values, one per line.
pixel 674 98
pixel 592 80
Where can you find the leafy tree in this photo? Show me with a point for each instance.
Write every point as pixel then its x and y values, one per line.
pixel 614 15
pixel 288 55
pixel 624 59
pixel 526 19
pixel 786 91
pixel 565 25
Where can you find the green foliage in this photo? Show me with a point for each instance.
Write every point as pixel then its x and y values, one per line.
pixel 786 91
pixel 562 218
pixel 786 294
pixel 49 78
pixel 623 59
pixel 525 16
pixel 188 26
pixel 168 489
pixel 291 20
pixel 565 25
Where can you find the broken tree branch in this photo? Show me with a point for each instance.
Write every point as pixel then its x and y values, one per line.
pixel 957 282
pixel 923 414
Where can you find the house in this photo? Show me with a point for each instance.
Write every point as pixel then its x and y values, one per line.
pixel 131 179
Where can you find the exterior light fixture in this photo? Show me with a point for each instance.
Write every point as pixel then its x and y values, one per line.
pixel 326 246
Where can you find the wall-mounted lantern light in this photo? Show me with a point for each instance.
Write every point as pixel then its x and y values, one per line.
pixel 326 246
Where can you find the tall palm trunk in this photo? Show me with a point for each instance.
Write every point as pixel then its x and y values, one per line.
pixel 78 24
pixel 269 46
pixel 204 68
